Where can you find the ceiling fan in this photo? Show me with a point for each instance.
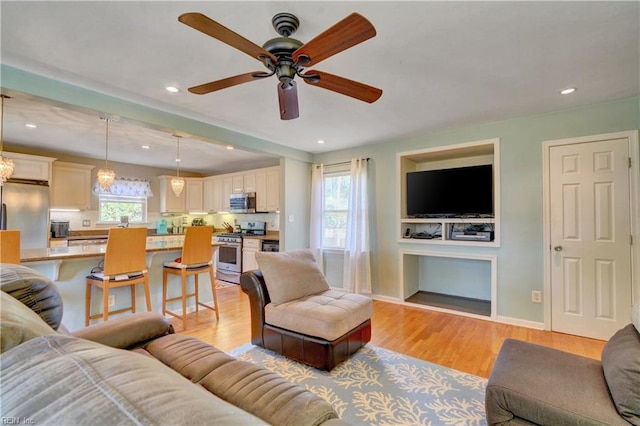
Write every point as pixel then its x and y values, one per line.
pixel 286 57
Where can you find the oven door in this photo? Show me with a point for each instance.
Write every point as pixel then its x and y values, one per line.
pixel 230 257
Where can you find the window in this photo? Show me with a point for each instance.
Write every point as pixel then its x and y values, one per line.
pixel 113 207
pixel 337 186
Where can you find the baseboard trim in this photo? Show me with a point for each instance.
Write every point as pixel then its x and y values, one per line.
pixel 499 318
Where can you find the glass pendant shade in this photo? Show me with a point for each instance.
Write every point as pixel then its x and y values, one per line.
pixel 6 164
pixel 177 183
pixel 106 175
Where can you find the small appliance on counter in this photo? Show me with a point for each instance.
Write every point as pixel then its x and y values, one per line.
pixel 161 227
pixel 59 228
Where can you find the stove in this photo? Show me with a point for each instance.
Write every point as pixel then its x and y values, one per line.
pixel 229 254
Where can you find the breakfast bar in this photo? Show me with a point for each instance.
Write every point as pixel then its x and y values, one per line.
pixel 69 267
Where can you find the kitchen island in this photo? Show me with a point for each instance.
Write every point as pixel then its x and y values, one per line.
pixel 68 267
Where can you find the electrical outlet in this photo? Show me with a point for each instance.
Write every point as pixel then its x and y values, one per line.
pixel 86 222
pixel 536 296
pixel 112 300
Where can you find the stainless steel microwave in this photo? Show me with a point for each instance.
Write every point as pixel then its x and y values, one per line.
pixel 243 203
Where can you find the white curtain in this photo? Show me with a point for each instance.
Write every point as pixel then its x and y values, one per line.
pixel 357 267
pixel 317 209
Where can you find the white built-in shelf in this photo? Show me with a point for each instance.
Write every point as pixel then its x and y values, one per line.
pixel 460 155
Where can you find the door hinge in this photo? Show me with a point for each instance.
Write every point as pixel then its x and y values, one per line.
pixel 629 162
pixel 630 239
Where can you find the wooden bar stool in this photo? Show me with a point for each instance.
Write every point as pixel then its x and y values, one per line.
pixel 196 259
pixel 10 246
pixel 124 264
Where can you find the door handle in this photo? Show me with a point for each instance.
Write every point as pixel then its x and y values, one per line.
pixel 558 248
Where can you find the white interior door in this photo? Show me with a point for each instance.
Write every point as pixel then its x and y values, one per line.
pixel 590 235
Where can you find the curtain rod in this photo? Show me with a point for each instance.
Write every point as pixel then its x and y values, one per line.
pixel 343 162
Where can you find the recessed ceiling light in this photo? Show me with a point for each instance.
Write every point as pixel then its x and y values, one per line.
pixel 177 160
pixel 229 147
pixel 320 141
pixel 172 89
pixel 146 147
pixel 30 125
pixel 568 91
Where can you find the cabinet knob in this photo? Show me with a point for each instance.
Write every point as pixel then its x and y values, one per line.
pixel 558 248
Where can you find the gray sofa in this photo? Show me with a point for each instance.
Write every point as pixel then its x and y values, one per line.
pixel 129 370
pixel 533 384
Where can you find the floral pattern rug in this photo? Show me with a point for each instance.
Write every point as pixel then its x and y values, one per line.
pixel 377 386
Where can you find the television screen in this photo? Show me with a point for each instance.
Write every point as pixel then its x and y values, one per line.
pixel 462 191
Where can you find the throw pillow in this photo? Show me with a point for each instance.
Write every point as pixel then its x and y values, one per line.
pixel 18 323
pixel 291 275
pixel 621 365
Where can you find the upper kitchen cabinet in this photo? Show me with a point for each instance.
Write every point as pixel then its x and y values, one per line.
pixel 244 182
pixel 70 186
pixel 268 189
pixel 194 188
pixel 32 167
pixel 169 202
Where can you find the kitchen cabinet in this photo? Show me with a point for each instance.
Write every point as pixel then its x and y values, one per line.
pixel 32 167
pixel 70 186
pixel 193 194
pixel 169 203
pixel 208 203
pixel 249 248
pixel 227 190
pixel 244 182
pixel 268 189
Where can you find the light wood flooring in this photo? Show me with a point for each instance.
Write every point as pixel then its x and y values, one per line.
pixel 465 344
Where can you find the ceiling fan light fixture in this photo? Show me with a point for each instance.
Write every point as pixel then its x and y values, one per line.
pixel 106 175
pixel 177 183
pixel 6 164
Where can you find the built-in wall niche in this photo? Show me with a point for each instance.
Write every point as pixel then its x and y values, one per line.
pixel 481 230
pixel 461 283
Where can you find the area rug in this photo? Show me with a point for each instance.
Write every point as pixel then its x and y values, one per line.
pixel 377 386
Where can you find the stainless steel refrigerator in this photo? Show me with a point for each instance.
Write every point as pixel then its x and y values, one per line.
pixel 25 206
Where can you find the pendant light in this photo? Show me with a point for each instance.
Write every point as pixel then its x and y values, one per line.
pixel 106 175
pixel 177 183
pixel 6 164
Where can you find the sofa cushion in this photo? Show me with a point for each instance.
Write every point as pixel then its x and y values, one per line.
pixel 291 275
pixel 18 323
pixel 63 380
pixel 245 385
pixel 621 364
pixel 328 315
pixel 33 289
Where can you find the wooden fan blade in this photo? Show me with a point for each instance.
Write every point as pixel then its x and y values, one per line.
pixel 203 89
pixel 208 26
pixel 344 86
pixel 288 98
pixel 352 30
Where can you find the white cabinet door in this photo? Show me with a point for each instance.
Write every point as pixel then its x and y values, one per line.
pixel 238 184
pixel 249 182
pixel 227 190
pixel 249 248
pixel 268 189
pixel 273 190
pixel 169 202
pixel 207 195
pixel 193 188
pixel 70 186
pixel 30 166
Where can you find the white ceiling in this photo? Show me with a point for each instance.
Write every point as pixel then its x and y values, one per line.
pixel 441 65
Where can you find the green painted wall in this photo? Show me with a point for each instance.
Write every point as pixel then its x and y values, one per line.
pixel 520 256
pixel 295 200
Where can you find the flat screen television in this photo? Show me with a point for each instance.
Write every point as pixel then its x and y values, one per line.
pixel 457 192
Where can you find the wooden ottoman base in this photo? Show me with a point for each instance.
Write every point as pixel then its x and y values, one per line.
pixel 314 351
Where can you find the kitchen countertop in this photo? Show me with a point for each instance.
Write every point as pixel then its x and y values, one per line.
pixel 78 252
